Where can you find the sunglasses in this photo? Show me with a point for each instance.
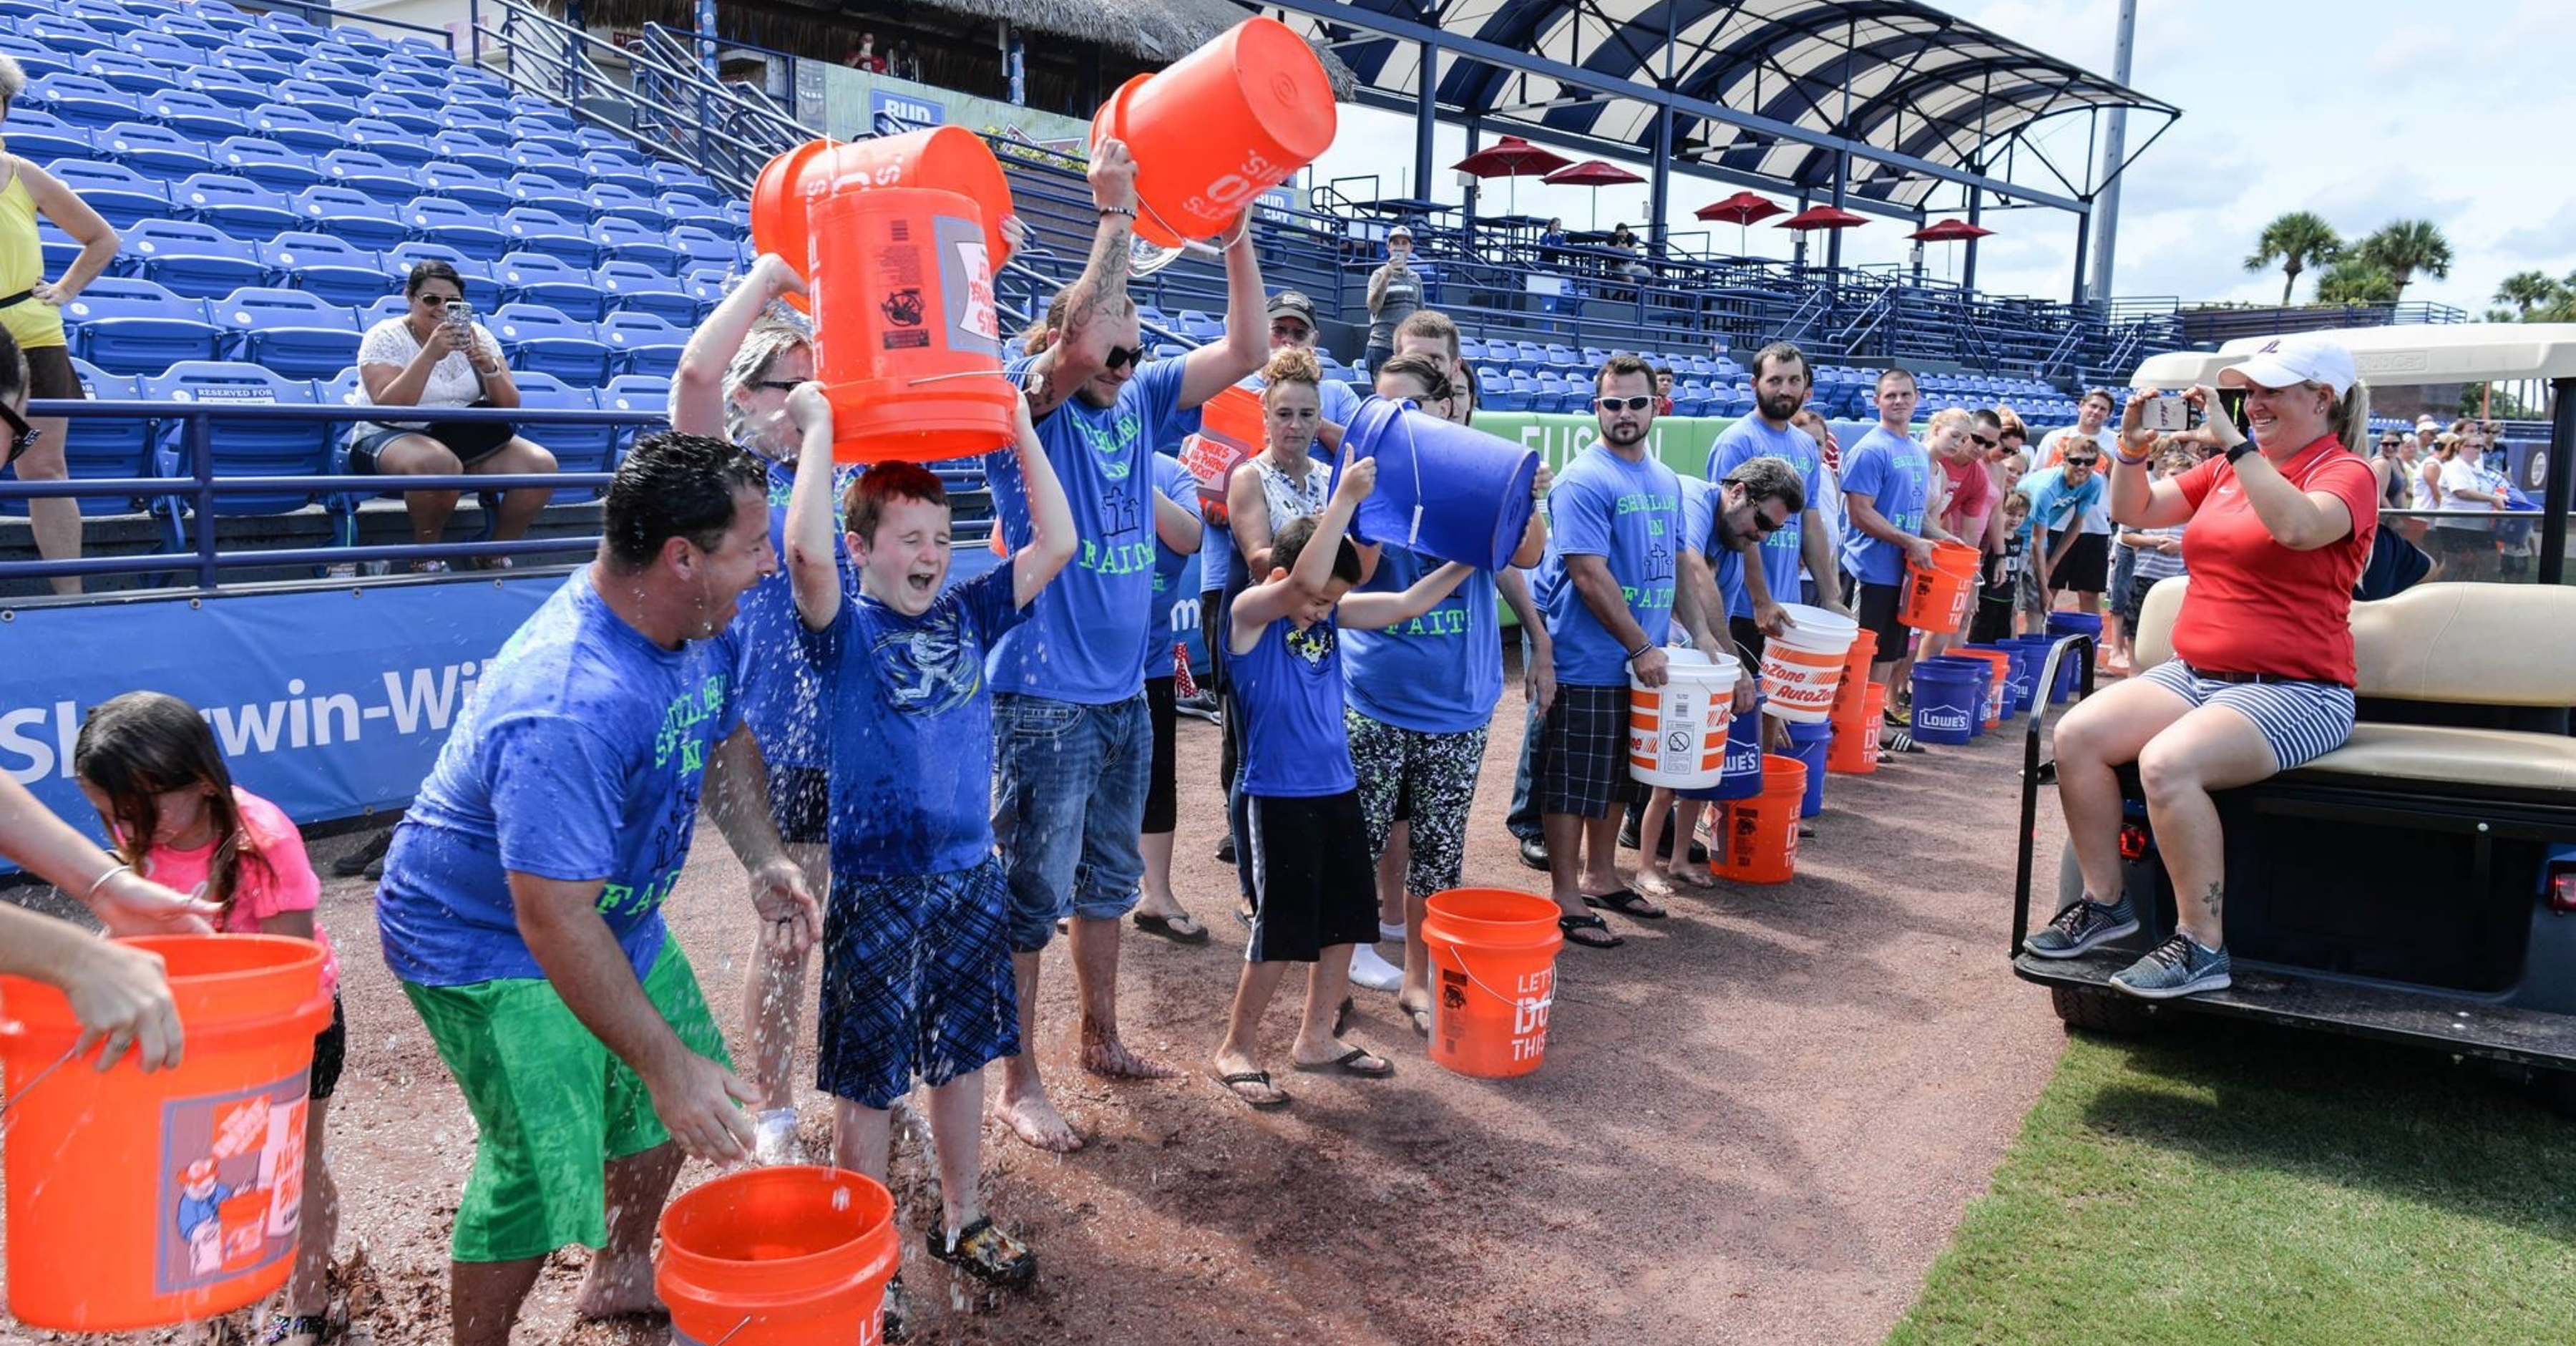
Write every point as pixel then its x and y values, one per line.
pixel 22 436
pixel 2073 461
pixel 1985 441
pixel 1765 525
pixel 1637 403
pixel 1122 356
pixel 777 385
pixel 439 300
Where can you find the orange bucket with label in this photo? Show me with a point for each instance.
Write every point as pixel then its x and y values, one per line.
pixel 778 1257
pixel 1847 693
pixel 1220 126
pixel 1762 832
pixel 948 158
pixel 1937 597
pixel 1493 972
pixel 907 338
pixel 1230 433
pixel 139 1201
pixel 1855 747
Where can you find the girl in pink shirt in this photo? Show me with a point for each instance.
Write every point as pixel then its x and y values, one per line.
pixel 150 766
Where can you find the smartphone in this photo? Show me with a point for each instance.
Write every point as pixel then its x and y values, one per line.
pixel 2164 413
pixel 459 313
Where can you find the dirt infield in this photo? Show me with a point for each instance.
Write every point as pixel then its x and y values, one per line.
pixel 1758 1122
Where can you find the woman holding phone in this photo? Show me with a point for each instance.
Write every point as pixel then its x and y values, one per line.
pixel 2280 526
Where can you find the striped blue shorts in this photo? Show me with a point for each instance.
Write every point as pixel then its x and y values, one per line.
pixel 2301 720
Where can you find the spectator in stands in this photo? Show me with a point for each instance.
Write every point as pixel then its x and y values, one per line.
pixel 905 63
pixel 2262 674
pixel 1070 717
pixel 1780 384
pixel 1663 391
pixel 1394 292
pixel 31 313
pixel 1887 488
pixel 429 359
pixel 2088 564
pixel 2466 544
pixel 1551 242
pixel 1606 590
pixel 521 905
pixel 865 56
pixel 2059 496
pixel 733 382
pixel 1422 694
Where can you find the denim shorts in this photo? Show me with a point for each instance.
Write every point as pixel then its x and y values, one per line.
pixel 1069 784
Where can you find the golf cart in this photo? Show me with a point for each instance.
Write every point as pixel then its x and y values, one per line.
pixel 2417 884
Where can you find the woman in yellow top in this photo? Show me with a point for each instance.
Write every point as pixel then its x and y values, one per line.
pixel 31 311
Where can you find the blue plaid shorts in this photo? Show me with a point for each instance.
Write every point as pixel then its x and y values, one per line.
pixel 916 982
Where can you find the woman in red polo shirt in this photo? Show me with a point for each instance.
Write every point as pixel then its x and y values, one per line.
pixel 2279 528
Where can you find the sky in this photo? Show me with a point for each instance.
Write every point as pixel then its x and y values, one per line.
pixel 2363 111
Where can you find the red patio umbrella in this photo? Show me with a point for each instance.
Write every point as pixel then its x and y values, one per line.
pixel 1949 231
pixel 1822 217
pixel 1741 209
pixel 1511 157
pixel 1595 174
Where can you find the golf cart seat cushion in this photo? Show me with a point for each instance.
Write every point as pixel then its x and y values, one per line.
pixel 2466 644
pixel 2486 759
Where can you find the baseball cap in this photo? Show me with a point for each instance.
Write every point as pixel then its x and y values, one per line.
pixel 1400 231
pixel 1294 305
pixel 2284 361
pixel 2427 423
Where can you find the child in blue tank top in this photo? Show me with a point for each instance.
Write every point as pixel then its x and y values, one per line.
pixel 1314 892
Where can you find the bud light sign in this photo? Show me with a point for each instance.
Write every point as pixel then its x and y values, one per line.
pixel 903 111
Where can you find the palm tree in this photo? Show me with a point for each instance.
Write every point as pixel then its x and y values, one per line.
pixel 2356 280
pixel 2524 289
pixel 2404 247
pixel 2293 241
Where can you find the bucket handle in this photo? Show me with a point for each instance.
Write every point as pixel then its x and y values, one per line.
pixel 1146 257
pixel 1460 951
pixel 29 1087
pixel 732 1332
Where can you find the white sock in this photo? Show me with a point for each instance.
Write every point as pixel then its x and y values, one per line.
pixel 1393 934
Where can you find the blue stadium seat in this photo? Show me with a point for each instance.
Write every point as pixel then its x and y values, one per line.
pixel 101 447
pixel 370 175
pixel 635 392
pixel 67 37
pixel 395 144
pixel 121 195
pixel 59 249
pixel 298 128
pixel 125 73
pixel 539 338
pixel 359 219
pixel 671 177
pixel 401 112
pixel 365 41
pixel 643 343
pixel 548 133
pixel 543 231
pixel 473 232
pixel 460 150
pixel 613 170
pixel 267 163
pixel 236 205
pixel 681 208
pixel 128 326
pixel 539 278
pixel 217 14
pixel 492 133
pixel 464 184
pixel 154 151
pixel 481 290
pixel 347 83
pixel 240 447
pixel 326 267
pixel 82 102
pixel 294 333
pixel 42 137
pixel 539 192
pixel 635 287
pixel 408 80
pixel 577 448
pixel 552 162
pixel 191 260
pixel 600 140
pixel 701 247
pixel 105 16
pixel 186 111
pixel 617 203
pixel 188 31
pixel 390 306
pixel 626 241
pixel 40 62
pixel 288 24
pixel 262 68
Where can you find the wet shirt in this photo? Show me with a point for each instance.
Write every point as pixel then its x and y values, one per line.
pixel 912 729
pixel 1175 484
pixel 1439 673
pixel 1750 438
pixel 579 758
pixel 1295 742
pixel 1629 514
pixel 1893 471
pixel 781 696
pixel 1084 640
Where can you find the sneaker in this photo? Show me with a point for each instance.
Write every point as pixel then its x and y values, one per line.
pixel 1225 849
pixel 2081 925
pixel 1371 972
pixel 2177 967
pixel 774 1138
pixel 985 1253
pixel 1901 717
pixel 1534 853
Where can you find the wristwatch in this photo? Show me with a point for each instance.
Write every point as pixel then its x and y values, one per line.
pixel 2242 448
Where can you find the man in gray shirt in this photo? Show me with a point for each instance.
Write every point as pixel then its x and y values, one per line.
pixel 1394 292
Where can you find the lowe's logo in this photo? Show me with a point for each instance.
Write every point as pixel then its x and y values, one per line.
pixel 1934 718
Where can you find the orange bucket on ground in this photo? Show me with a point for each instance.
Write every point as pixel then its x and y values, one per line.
pixel 1999 690
pixel 1937 598
pixel 1847 693
pixel 1855 748
pixel 139 1201
pixel 778 1257
pixel 1217 128
pixel 1762 832
pixel 947 158
pixel 907 340
pixel 1493 969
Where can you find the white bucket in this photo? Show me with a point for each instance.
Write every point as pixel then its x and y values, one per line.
pixel 1677 732
pixel 1802 665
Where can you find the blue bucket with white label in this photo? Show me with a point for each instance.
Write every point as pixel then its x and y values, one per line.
pixel 1949 702
pixel 1809 744
pixel 1743 778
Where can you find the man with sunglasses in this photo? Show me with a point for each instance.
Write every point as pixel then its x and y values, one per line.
pixel 2058 498
pixel 1071 727
pixel 2087 567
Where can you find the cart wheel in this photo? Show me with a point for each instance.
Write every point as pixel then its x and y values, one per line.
pixel 2098 1011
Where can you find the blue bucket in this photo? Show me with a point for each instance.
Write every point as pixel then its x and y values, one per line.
pixel 2016 679
pixel 1743 779
pixel 2066 672
pixel 2075 624
pixel 1442 489
pixel 1949 703
pixel 2026 654
pixel 1983 671
pixel 1809 743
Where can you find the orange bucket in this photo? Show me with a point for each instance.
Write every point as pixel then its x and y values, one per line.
pixel 1493 953
pixel 778 1257
pixel 1855 749
pixel 1219 127
pixel 1762 832
pixel 139 1201
pixel 1936 599
pixel 1864 650
pixel 1999 690
pixel 948 158
pixel 907 340
pixel 1230 432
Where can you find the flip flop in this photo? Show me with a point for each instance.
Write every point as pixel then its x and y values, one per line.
pixel 1259 1077
pixel 1421 1020
pixel 1577 927
pixel 1169 928
pixel 1348 1063
pixel 1342 1016
pixel 1626 902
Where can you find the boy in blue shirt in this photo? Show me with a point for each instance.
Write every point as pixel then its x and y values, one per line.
pixel 917 975
pixel 1314 893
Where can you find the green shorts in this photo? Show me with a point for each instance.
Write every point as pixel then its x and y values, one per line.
pixel 552 1103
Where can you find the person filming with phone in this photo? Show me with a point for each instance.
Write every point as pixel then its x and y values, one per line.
pixel 435 355
pixel 2277 529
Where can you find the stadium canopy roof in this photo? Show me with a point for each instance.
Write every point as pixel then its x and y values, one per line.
pixel 1889 97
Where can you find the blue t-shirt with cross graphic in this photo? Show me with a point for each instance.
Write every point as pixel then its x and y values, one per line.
pixel 579 758
pixel 1629 514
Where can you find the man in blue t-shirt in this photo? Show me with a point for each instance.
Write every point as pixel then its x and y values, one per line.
pixel 521 905
pixel 1606 591
pixel 1780 382
pixel 1887 493
pixel 917 976
pixel 1070 721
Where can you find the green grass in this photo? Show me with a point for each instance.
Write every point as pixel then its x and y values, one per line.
pixel 2219 1183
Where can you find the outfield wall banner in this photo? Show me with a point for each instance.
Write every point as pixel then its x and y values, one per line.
pixel 1682 442
pixel 330 702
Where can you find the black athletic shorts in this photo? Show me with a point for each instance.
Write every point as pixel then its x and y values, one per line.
pixel 2087 567
pixel 1875 605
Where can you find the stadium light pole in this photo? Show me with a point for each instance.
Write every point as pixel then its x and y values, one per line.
pixel 2115 144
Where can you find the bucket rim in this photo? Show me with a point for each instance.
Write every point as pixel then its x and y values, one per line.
pixel 860 1247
